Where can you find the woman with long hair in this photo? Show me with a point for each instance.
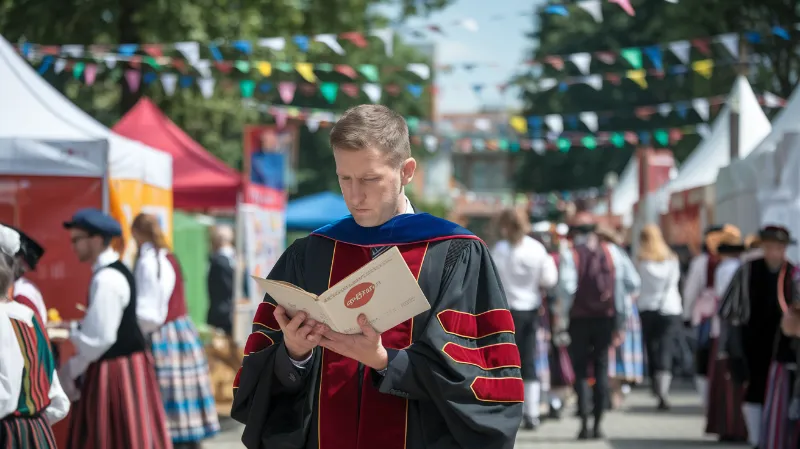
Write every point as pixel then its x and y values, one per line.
pixel 525 268
pixel 661 308
pixel 31 397
pixel 179 356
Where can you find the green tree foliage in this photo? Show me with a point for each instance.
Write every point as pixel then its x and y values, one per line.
pixel 655 22
pixel 217 122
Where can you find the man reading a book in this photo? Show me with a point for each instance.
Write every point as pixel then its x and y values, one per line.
pixel 447 378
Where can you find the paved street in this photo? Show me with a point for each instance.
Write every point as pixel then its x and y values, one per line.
pixel 637 426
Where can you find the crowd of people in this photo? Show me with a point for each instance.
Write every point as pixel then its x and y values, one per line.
pixel 139 377
pixel 578 296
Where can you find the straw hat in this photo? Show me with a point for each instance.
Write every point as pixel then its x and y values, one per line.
pixel 608 234
pixel 728 240
pixel 752 241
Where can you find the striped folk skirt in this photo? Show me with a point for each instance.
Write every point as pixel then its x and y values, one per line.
pixel 120 407
pixel 724 416
pixel 626 362
pixel 777 431
pixel 22 432
pixel 543 352
pixel 182 373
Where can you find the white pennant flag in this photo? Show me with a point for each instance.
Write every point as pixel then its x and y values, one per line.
pixel 431 143
pixel 60 64
pixel 421 70
pixel 702 107
pixel 593 7
pixel 387 36
pixel 330 41
pixel 169 81
pixel 312 124
pixel 596 81
pixel 206 86
pixel 703 130
pixel 76 51
pixel 373 91
pixel 538 146
pixel 590 120
pixel 772 101
pixel 274 43
pixel 189 50
pixel 681 49
pixel 674 2
pixel 582 61
pixel 110 60
pixel 664 109
pixel 555 122
pixel 731 42
pixel 203 66
pixel 547 83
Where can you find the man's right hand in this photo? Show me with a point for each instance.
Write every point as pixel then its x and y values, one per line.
pixel 300 336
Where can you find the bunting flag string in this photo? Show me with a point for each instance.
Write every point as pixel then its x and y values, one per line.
pixel 592 7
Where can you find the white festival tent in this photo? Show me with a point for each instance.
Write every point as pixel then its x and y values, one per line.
pixel 625 193
pixel 740 185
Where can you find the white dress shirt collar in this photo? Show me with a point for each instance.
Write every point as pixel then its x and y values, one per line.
pixel 409 208
pixel 105 258
pixel 19 312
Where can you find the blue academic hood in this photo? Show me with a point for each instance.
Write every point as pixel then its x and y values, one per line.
pixel 314 211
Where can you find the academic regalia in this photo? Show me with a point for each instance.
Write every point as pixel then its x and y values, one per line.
pixel 39 400
pixel 453 378
pixel 758 352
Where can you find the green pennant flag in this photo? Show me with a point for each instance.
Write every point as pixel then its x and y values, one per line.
pixel 589 142
pixel 77 70
pixel 502 145
pixel 617 139
pixel 151 61
pixel 514 147
pixel 413 123
pixel 633 56
pixel 662 137
pixel 563 144
pixel 370 72
pixel 247 87
pixel 329 91
pixel 242 66
pixel 284 66
pixel 323 67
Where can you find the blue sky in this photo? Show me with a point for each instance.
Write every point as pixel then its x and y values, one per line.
pixel 500 41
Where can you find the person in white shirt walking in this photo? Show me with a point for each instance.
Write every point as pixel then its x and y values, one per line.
pixel 660 307
pixel 525 268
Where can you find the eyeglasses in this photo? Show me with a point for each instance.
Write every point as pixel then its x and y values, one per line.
pixel 78 238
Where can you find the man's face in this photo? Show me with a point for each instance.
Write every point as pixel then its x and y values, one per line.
pixel 371 184
pixel 774 252
pixel 82 244
pixel 268 140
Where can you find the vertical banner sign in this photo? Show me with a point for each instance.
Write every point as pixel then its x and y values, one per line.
pixel 268 153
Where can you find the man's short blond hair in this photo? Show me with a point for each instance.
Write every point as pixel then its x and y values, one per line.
pixel 372 126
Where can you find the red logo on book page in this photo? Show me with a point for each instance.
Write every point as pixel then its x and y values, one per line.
pixel 359 295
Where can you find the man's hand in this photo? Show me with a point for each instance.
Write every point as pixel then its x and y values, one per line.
pixel 365 347
pixel 619 337
pixel 300 336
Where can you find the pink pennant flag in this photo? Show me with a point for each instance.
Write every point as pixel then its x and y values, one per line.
pixel 346 70
pixel 281 117
pixel 286 91
pixel 133 77
pixel 625 5
pixel 90 74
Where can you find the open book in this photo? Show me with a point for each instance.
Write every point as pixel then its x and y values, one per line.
pixel 384 290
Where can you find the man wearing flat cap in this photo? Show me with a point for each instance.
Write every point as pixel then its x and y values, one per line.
pixel 120 402
pixel 761 356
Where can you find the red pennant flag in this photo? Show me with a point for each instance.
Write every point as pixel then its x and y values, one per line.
pixel 349 89
pixel 153 50
pixel 702 45
pixel 346 70
pixel 556 61
pixel 606 57
pixel 356 38
pixel 308 89
pixel 50 50
pixel 613 78
pixel 435 28
pixel 224 66
pixel 178 64
pixel 393 89
pixel 135 61
pixel 631 137
pixel 675 135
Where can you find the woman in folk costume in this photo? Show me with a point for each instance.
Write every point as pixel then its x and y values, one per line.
pixel 179 356
pixel 724 416
pixel 699 305
pixel 661 308
pixel 31 397
pixel 25 291
pixel 111 374
pixel 625 362
pixel 760 300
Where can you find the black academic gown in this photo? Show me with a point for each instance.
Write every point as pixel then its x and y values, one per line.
pixel 453 379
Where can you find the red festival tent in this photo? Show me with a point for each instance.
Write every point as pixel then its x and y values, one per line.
pixel 200 180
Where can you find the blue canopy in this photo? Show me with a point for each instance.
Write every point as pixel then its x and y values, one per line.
pixel 314 211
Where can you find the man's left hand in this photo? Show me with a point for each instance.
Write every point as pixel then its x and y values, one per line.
pixel 365 347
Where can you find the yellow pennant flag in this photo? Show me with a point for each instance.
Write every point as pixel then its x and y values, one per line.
pixel 265 68
pixel 639 77
pixel 519 124
pixel 705 67
pixel 306 70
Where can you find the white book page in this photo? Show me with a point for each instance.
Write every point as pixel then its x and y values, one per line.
pixel 384 290
pixel 294 299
